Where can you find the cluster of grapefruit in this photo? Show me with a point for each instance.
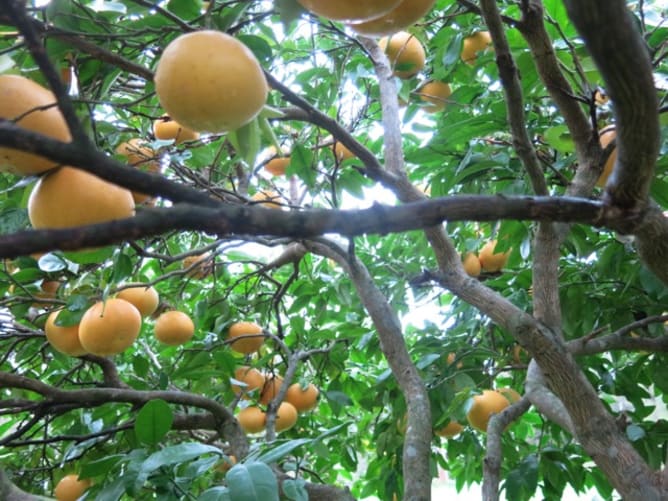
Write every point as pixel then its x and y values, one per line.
pixel 111 326
pixel 487 259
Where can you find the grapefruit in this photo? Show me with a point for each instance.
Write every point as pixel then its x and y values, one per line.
pixel 272 386
pixel 70 488
pixel 145 299
pixel 141 156
pixel 249 344
pixel 511 394
pixel 342 152
pixel 277 165
pixel 405 14
pixel 109 327
pixel 304 399
pixel 267 199
pixel 286 417
pixel 484 405
pixel 435 93
pixel 63 339
pixel 165 128
pixel 471 264
pixel 473 44
pixel 252 419
pixel 174 328
pixel 605 137
pixel 405 52
pixel 34 108
pixel 70 197
pixel 252 378
pixel 210 81
pixel 202 267
pixel 452 429
pixel 492 261
pixel 349 10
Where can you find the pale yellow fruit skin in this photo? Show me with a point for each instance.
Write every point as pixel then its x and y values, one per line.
pixel 18 96
pixel 210 81
pixel 174 328
pixel 407 13
pixel 303 400
pixel 490 402
pixel 436 94
pixel 71 197
pixel 606 136
pixel 405 52
pixel 286 416
pixel 249 344
pixel 70 488
pixel 109 327
pixel 145 299
pixel 166 129
pixel 63 339
pixel 253 378
pixel 474 44
pixel 452 429
pixel 252 419
pixel 350 10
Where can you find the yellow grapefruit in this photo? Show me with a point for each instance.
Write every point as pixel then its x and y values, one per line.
pixel 452 429
pixel 145 299
pixel 174 328
pixel 252 419
pixel 63 339
pixel 252 378
pixel 492 261
pixel 473 44
pixel 202 266
pixel 304 399
pixel 34 108
pixel 165 128
pixel 277 166
pixel 512 395
pixel 272 386
pixel 342 152
pixel 109 327
pixel 249 344
pixel 210 81
pixel 70 488
pixel 606 136
pixel 435 93
pixel 286 417
pixel 70 197
pixel 405 14
pixel 267 198
pixel 349 10
pixel 484 405
pixel 405 52
pixel 471 264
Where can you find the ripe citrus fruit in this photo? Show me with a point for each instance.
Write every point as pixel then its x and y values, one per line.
pixel 341 152
pixel 70 197
pixel 70 488
pixel 249 344
pixel 452 429
pixel 512 395
pixel 272 386
pixel 471 264
pixel 436 94
pixel 405 52
pixel 286 416
pixel 226 463
pixel 277 166
pixel 350 10
pixel 269 199
pixel 252 419
pixel 36 107
pixel 401 17
pixel 490 402
pixel 605 137
pixel 145 299
pixel 491 261
pixel 141 156
pixel 451 360
pixel 109 327
pixel 63 339
pixel 210 81
pixel 203 267
pixel 49 289
pixel 473 44
pixel 303 399
pixel 165 128
pixel 254 380
pixel 174 328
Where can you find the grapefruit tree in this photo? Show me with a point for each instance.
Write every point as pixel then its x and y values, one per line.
pixel 402 264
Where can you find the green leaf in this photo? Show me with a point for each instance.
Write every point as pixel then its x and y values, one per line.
pixel 185 9
pixel 252 482
pixel 295 489
pixel 301 165
pixel 215 494
pixel 153 422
